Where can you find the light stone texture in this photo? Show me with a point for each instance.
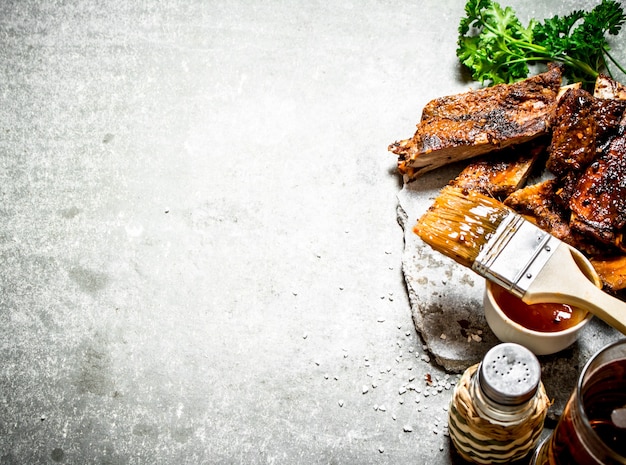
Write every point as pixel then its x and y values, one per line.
pixel 188 188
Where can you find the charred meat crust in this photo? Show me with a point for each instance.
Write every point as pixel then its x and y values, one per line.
pixel 539 204
pixel 462 126
pixel 501 173
pixel 608 115
pixel 583 126
pixel 584 204
pixel 573 144
pixel 598 204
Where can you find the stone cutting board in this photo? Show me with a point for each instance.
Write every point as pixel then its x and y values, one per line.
pixel 446 302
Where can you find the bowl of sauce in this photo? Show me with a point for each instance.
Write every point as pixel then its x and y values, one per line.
pixel 544 328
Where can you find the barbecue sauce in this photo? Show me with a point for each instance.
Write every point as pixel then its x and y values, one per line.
pixel 544 317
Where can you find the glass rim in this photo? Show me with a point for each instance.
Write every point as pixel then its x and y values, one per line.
pixel 580 407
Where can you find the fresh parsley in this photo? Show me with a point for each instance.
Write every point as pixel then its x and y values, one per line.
pixel 497 48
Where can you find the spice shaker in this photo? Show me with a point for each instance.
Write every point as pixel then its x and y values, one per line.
pixel 498 407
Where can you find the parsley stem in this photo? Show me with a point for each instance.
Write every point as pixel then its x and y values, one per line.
pixel 614 61
pixel 545 54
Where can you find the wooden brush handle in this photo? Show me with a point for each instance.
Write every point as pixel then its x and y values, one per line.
pixel 567 278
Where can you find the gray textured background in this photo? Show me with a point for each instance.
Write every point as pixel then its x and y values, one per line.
pixel 201 261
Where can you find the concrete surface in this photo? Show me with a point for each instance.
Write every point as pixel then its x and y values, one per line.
pixel 201 261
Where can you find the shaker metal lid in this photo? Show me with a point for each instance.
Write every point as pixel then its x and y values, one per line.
pixel 509 374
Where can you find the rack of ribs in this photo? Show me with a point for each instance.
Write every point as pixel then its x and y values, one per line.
pixel 472 123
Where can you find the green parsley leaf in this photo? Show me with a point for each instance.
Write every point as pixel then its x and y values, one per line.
pixel 497 48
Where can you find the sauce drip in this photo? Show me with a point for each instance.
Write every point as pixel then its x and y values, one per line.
pixel 544 317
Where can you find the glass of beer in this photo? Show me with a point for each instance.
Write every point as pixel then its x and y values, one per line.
pixel 592 428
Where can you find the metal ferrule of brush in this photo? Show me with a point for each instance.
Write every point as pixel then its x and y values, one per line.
pixel 515 254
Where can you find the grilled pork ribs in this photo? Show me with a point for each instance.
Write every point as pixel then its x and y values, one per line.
pixel 576 138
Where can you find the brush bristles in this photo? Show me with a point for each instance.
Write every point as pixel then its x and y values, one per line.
pixel 460 222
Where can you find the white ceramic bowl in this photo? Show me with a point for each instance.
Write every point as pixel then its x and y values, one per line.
pixel 539 342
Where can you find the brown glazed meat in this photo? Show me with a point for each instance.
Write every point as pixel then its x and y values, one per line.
pixel 612 271
pixel 579 137
pixel 539 204
pixel 608 115
pixel 583 126
pixel 466 125
pixel 536 202
pixel 573 144
pixel 501 173
pixel 598 204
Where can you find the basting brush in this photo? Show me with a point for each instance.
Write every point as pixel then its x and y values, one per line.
pixel 481 233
